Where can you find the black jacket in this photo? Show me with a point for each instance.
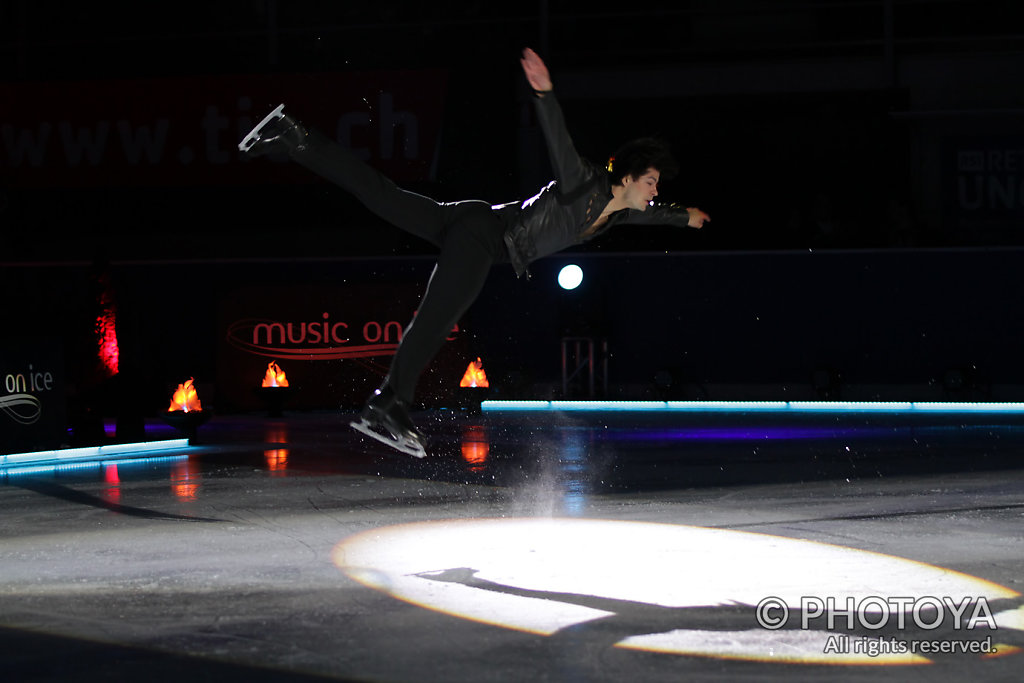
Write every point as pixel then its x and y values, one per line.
pixel 558 216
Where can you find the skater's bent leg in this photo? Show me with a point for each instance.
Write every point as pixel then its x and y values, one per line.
pixel 414 213
pixel 455 283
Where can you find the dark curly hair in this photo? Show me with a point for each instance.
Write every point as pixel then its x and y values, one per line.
pixel 636 156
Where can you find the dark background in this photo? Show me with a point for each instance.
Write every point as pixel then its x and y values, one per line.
pixel 863 162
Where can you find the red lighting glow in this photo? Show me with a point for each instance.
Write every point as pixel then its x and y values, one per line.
pixel 475 375
pixel 106 330
pixel 185 399
pixel 275 376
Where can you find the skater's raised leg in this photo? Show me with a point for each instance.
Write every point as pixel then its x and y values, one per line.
pixel 280 133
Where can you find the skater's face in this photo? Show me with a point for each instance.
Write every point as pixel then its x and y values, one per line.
pixel 641 191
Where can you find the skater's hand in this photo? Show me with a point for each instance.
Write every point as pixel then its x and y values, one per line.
pixel 536 71
pixel 697 217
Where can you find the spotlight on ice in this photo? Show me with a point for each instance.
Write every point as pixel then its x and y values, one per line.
pixel 570 277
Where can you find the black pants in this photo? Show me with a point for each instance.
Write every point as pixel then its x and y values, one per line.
pixel 469 235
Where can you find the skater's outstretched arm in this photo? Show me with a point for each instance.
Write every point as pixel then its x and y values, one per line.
pixel 570 171
pixel 669 214
pixel 569 168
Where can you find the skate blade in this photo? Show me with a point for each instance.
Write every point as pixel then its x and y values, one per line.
pixel 254 135
pixel 404 445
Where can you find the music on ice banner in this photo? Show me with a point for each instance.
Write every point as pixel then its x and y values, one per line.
pixel 333 342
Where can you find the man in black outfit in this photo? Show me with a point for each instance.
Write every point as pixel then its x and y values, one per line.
pixel 582 202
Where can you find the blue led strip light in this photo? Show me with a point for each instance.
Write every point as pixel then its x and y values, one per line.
pixel 754 406
pixel 68 455
pixel 15 471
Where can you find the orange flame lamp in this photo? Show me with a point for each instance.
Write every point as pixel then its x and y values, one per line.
pixel 275 389
pixel 185 399
pixel 186 413
pixel 473 388
pixel 475 376
pixel 275 376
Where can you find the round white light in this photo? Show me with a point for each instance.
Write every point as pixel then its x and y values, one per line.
pixel 704 591
pixel 570 277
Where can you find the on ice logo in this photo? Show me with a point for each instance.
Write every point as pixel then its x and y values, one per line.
pixel 20 404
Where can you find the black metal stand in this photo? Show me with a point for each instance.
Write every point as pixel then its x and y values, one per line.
pixel 582 369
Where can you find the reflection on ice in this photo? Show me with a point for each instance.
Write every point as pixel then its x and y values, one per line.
pixel 475 447
pixel 277 458
pixel 185 479
pixel 560 476
pixel 112 493
pixel 573 480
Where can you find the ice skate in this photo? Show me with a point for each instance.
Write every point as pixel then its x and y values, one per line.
pixel 385 419
pixel 276 133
